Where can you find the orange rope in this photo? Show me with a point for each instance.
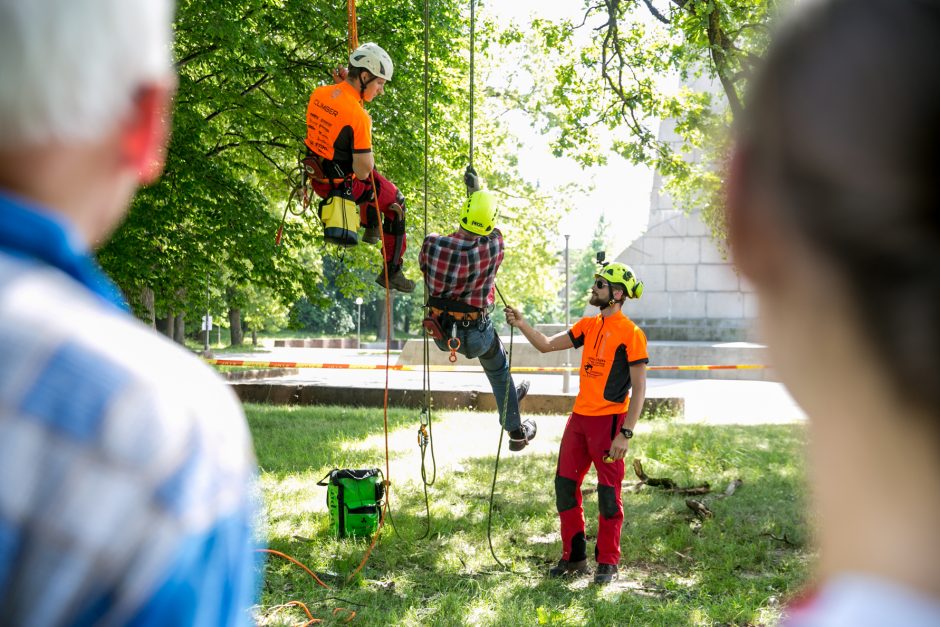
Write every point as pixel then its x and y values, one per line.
pixel 312 620
pixel 352 613
pixel 353 29
pixel 291 559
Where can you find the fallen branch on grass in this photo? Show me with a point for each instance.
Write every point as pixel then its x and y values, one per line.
pixel 668 485
pixel 734 485
pixel 785 539
pixel 698 508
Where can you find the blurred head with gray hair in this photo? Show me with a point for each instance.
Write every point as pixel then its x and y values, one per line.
pixel 84 100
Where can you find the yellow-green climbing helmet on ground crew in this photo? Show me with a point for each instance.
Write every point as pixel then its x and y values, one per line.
pixel 621 274
pixel 478 214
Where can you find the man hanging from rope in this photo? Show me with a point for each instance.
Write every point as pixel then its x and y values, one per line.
pixel 460 272
pixel 339 147
pixel 601 424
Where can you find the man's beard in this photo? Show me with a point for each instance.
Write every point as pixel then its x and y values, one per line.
pixel 598 301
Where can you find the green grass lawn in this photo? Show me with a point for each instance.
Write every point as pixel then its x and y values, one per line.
pixel 674 571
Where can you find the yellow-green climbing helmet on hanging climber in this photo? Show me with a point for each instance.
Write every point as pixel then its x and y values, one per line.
pixel 478 214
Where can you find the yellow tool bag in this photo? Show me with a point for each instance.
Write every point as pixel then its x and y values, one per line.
pixel 340 218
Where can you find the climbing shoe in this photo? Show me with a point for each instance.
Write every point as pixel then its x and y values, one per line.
pixel 565 568
pixel 519 438
pixel 521 390
pixel 605 573
pixel 372 235
pixel 397 281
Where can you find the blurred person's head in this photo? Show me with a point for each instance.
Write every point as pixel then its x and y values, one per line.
pixel 834 198
pixel 84 102
pixel 834 215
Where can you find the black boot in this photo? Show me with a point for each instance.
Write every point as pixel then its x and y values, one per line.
pixel 605 573
pixel 396 280
pixel 565 567
pixel 520 438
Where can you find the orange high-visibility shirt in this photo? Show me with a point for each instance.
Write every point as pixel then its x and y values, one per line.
pixel 611 345
pixel 337 124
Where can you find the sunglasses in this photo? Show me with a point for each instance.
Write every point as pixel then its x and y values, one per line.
pixel 600 284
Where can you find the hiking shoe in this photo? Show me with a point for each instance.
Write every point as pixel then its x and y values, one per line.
pixel 521 390
pixel 605 573
pixel 565 568
pixel 519 438
pixel 372 235
pixel 397 281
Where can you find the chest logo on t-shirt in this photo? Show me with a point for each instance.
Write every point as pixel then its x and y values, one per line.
pixel 594 367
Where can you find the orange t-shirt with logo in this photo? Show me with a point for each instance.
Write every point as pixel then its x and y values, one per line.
pixel 611 345
pixel 337 124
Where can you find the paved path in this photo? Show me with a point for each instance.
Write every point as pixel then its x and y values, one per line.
pixel 711 401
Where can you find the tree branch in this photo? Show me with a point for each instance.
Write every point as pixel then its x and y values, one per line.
pixel 248 142
pixel 195 55
pixel 655 12
pixel 720 47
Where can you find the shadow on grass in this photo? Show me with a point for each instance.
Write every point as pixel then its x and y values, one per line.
pixel 290 439
pixel 727 570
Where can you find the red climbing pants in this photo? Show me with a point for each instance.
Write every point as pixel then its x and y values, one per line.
pixel 587 440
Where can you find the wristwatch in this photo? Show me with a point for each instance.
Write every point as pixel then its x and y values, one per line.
pixel 627 433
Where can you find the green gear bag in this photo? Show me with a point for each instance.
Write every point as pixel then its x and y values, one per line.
pixel 354 499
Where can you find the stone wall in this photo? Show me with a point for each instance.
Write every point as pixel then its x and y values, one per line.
pixel 692 292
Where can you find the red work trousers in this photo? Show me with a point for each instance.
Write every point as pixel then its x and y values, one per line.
pixel 393 227
pixel 587 440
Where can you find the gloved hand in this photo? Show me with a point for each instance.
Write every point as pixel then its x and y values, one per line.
pixel 472 180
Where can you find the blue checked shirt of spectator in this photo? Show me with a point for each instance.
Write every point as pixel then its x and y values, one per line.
pixel 126 466
pixel 462 266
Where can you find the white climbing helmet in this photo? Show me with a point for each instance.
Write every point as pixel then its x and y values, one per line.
pixel 372 57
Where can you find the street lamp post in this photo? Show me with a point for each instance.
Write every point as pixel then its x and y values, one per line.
pixel 207 323
pixel 566 377
pixel 359 323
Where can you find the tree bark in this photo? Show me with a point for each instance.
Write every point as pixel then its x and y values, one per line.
pixel 179 332
pixel 146 299
pixel 254 337
pixel 166 325
pixel 383 321
pixel 406 323
pixel 235 324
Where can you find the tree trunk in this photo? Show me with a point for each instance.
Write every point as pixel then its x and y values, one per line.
pixel 167 325
pixel 383 322
pixel 179 333
pixel 254 337
pixel 235 324
pixel 146 299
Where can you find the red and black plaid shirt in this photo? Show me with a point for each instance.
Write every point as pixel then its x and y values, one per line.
pixel 462 266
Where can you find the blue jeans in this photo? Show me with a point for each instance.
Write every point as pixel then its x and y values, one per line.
pixel 479 339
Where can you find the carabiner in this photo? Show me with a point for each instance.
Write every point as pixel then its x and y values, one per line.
pixel 453 343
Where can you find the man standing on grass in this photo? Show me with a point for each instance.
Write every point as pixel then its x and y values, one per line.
pixel 125 463
pixel 460 273
pixel 601 424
